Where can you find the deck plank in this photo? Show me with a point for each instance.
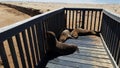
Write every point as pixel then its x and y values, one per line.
pixel 92 55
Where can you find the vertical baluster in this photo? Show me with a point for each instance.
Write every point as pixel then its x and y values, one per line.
pixel 110 37
pixel 4 56
pixel 80 18
pixel 99 20
pixel 115 46
pixel 76 23
pixel 83 19
pixel 40 40
pixel 114 39
pixel 12 50
pixel 43 36
pixel 87 20
pixel 95 20
pixel 106 30
pixel 20 50
pixel 91 20
pixel 118 57
pixel 31 46
pixel 69 19
pixel 117 54
pixel 26 48
pixel 35 43
pixel 72 19
pixel 65 20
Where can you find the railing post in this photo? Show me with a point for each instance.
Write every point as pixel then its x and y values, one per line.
pixel 83 19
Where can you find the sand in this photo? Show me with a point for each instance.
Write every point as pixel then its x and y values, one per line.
pixel 9 15
pixel 50 6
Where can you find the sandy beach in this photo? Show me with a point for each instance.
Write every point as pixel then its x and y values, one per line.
pixel 50 6
pixel 9 15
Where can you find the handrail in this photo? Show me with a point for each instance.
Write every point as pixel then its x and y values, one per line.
pixel 94 9
pixel 114 16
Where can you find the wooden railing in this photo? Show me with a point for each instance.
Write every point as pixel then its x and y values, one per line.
pixel 23 44
pixel 110 31
pixel 87 18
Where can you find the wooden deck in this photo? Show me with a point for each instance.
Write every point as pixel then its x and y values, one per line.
pixel 92 55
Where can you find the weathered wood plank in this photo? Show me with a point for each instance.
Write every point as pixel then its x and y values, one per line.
pixel 52 65
pixel 73 12
pixel 40 40
pixel 19 43
pixel 35 43
pixel 83 19
pixel 76 23
pixel 69 18
pixel 4 56
pixel 87 19
pixel 13 53
pixel 80 18
pixel 89 56
pixel 91 20
pixel 100 14
pixel 26 48
pixel 31 46
pixel 86 61
pixel 75 64
pixel 95 17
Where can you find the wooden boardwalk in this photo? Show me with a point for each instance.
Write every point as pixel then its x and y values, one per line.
pixel 92 55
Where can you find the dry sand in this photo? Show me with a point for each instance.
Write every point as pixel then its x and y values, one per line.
pixel 10 15
pixel 50 6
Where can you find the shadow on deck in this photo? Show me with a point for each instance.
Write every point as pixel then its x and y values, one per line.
pixel 92 55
